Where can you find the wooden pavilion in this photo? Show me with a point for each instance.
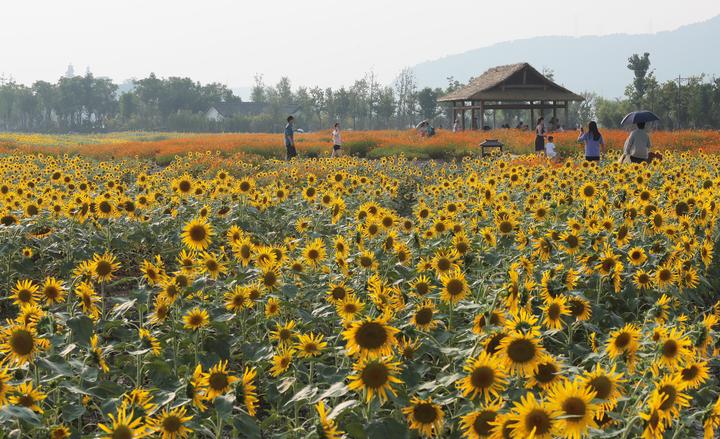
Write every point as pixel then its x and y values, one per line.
pixel 511 87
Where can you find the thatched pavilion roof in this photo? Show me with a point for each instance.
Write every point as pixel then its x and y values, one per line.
pixel 514 82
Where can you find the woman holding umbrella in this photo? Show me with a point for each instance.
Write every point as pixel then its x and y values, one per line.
pixel 637 145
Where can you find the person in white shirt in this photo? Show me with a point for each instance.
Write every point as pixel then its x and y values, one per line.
pixel 638 144
pixel 337 140
pixel 550 149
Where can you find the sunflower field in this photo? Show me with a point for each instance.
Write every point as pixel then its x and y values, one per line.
pixel 500 297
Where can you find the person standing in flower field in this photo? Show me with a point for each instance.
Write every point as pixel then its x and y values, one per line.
pixel 637 145
pixel 337 140
pixel 290 139
pixel 540 136
pixel 594 143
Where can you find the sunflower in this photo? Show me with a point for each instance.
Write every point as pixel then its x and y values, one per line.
pixel 103 267
pixel 712 422
pixel 521 353
pixel 580 308
pixel 5 386
pixel 195 319
pixel 675 350
pixel 281 361
pixel 423 317
pixel 370 338
pixel 161 309
pixel 349 308
pixel 665 276
pixel 327 428
pixel 25 293
pixel 197 234
pixel 670 391
pixel 421 286
pixel 20 343
pixel 338 292
pixel 366 260
pixel 555 308
pixel 479 424
pixel 425 417
pixel 97 355
pixel 152 273
pixel 27 396
pixel 375 377
pixel 284 333
pixel 170 424
pixel 445 261
pixel 486 376
pixel 247 391
pixel 272 307
pixel 196 388
pixel 455 287
pixel 310 345
pixel 125 426
pixel 637 256
pixel 574 402
pixel 694 374
pixel 655 421
pixel 623 341
pixel 237 299
pixel 642 280
pixel 218 380
pixel 59 432
pixel 149 341
pixel 270 276
pixel 606 385
pixel 211 264
pixel 572 242
pixel 532 418
pixel 547 374
pixel 186 261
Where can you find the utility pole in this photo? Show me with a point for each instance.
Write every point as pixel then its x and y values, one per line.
pixel 680 81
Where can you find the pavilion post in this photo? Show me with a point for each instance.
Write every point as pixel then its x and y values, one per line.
pixel 473 119
pixel 532 114
pixel 482 115
pixel 567 120
pixel 462 121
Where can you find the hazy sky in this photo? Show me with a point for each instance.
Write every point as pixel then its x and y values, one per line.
pixel 314 42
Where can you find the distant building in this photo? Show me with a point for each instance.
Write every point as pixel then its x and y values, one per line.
pixel 224 110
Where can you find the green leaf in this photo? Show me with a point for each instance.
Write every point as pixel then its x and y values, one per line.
pixel 224 404
pixel 13 412
pixel 336 390
pixel 81 328
pixel 306 393
pixel 387 428
pixel 340 408
pixel 71 412
pixel 123 307
pixel 57 365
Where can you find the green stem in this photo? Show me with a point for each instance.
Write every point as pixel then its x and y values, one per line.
pixel 628 428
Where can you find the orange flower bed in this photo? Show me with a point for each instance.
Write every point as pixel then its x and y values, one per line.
pixel 367 143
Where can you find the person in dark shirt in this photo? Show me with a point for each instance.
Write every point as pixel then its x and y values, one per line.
pixel 290 139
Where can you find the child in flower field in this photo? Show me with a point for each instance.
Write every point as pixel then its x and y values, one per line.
pixel 550 149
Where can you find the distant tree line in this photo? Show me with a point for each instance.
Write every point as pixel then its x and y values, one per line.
pixel 92 104
pixel 681 103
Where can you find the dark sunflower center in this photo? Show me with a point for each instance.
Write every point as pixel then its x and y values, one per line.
pixel 671 393
pixel 371 335
pixel 24 295
pixel 422 288
pixel 539 420
pixel 602 386
pixel 443 264
pixel 588 191
pixel 670 349
pixel 689 373
pixel 554 311
pixel 455 287
pixel 506 227
pixel 197 233
pixel 424 316
pixel 425 413
pixel 211 265
pixel 22 342
pixel 51 292
pixel 575 408
pixel 105 207
pixel 184 186
pixel 545 373
pixel 103 268
pixel 365 261
pixel 313 254
pixel 521 350
pixel 269 278
pixel 482 423
pixel 245 251
pixel 26 401
pixel 375 375
pixel 572 241
pixel 482 377
pixel 622 340
pixel 218 380
pixel 665 274
pixel 244 186
pixel 122 432
pixel 171 424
